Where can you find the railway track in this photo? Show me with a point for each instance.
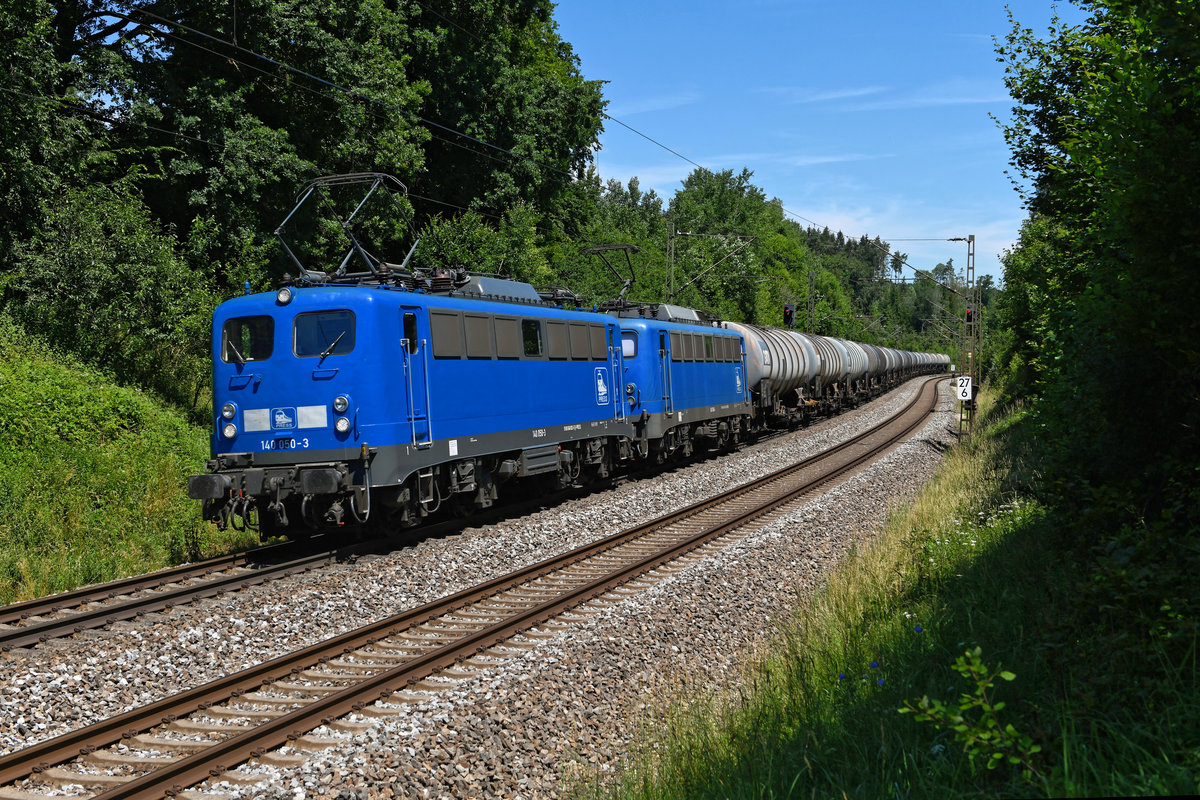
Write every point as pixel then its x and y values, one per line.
pixel 201 733
pixel 33 622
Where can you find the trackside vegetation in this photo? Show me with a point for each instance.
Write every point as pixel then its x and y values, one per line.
pixel 93 473
pixel 974 648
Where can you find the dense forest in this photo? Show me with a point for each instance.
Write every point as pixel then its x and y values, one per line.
pixel 151 150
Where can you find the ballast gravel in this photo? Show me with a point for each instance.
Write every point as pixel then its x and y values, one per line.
pixel 566 708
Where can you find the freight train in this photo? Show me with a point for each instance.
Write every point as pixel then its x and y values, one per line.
pixel 387 396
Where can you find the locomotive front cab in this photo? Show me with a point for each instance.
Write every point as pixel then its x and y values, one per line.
pixel 292 408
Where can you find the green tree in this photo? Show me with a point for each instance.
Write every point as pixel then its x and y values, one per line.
pixel 102 278
pixel 1103 281
pixel 500 73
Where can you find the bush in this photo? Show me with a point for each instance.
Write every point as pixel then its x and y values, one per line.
pixel 92 476
pixel 102 281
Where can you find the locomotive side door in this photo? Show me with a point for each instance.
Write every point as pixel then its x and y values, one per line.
pixel 414 346
pixel 664 364
pixel 617 365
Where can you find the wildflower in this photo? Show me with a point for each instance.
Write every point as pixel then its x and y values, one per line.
pixel 880 681
pixel 874 665
pixel 841 677
pixel 919 629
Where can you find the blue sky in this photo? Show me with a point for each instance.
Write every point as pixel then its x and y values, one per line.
pixel 869 117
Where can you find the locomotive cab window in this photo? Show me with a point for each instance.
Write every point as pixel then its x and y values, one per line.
pixel 410 331
pixel 323 333
pixel 247 339
pixel 629 344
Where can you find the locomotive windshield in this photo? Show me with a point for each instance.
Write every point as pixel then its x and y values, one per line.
pixel 247 339
pixel 323 333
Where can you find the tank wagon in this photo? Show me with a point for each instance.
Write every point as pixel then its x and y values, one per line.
pixel 795 376
pixel 386 396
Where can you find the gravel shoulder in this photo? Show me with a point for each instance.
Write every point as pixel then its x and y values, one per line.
pixel 570 705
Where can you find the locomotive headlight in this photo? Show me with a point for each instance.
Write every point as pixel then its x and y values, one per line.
pixel 284 295
pixel 342 425
pixel 341 403
pixel 228 411
pixel 229 431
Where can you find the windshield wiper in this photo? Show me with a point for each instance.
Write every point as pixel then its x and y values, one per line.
pixel 332 345
pixel 241 359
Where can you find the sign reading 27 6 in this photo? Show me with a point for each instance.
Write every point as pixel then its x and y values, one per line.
pixel 963 388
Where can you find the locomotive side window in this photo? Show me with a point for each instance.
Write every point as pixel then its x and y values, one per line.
pixel 629 344
pixel 581 349
pixel 447 334
pixel 689 348
pixel 599 342
pixel 508 338
pixel 479 335
pixel 247 339
pixel 531 335
pixel 410 332
pixel 676 346
pixel 708 348
pixel 323 333
pixel 556 339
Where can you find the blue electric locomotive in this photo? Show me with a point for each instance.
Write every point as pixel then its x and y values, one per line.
pixel 686 377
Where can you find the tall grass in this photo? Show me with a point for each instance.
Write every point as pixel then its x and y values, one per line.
pixel 969 568
pixel 91 476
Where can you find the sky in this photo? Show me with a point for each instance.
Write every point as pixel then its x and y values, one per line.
pixel 865 116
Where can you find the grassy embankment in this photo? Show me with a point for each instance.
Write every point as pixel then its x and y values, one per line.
pixel 92 476
pixel 997 632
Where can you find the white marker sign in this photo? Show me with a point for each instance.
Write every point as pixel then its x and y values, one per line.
pixel 964 388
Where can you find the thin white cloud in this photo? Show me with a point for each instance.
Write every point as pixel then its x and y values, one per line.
pixel 840 158
pixel 800 94
pixel 664 102
pixel 894 219
pixel 954 92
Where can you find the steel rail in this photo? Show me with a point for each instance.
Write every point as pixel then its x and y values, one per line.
pixel 14 613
